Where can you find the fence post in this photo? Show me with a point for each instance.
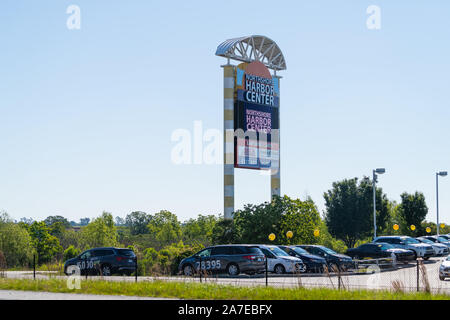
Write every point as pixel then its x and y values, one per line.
pixel 136 269
pixel 418 275
pixel 266 271
pixel 200 269
pixel 34 266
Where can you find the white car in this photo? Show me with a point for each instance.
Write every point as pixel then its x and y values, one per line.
pixel 444 269
pixel 279 262
pixel 438 239
pixel 440 249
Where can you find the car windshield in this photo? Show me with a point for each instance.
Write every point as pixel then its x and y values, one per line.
pixel 410 241
pixel 300 250
pixel 385 246
pixel 448 258
pixel 426 241
pixel 442 239
pixel 328 250
pixel 277 251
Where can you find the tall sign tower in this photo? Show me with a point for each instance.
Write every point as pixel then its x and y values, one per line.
pixel 251 111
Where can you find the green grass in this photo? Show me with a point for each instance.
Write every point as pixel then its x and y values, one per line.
pixel 185 290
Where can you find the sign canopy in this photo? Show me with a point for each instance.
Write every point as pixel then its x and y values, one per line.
pixel 253 48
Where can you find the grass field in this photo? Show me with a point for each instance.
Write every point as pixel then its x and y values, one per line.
pixel 206 291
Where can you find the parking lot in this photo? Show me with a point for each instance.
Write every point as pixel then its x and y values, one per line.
pixel 403 277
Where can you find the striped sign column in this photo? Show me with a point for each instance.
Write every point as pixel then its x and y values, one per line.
pixel 228 125
pixel 275 181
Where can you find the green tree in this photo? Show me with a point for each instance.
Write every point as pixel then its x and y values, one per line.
pixel 254 223
pixel 71 252
pixel 101 232
pixel 224 232
pixel 412 211
pixel 199 230
pixel 137 222
pixel 349 210
pixel 46 245
pixel 165 227
pixel 15 243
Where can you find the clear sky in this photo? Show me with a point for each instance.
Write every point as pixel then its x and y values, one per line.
pixel 86 116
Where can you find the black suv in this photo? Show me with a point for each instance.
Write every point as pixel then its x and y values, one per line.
pixel 103 261
pixel 232 259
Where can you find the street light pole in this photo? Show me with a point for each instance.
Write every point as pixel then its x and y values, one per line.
pixel 442 174
pixel 379 171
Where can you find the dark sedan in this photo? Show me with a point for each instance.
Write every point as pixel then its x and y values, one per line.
pixel 380 251
pixel 334 260
pixel 313 263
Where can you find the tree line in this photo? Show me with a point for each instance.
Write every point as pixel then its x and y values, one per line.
pixel 160 240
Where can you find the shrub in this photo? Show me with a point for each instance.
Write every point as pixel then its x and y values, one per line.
pixel 70 252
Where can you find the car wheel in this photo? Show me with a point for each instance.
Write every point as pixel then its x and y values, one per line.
pixel 232 269
pixel 441 278
pixel 356 258
pixel 188 270
pixel 106 270
pixel 279 269
pixel 426 258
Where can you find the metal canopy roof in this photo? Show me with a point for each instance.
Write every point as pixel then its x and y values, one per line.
pixel 251 48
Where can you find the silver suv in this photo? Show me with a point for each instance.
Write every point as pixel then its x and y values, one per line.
pixel 422 250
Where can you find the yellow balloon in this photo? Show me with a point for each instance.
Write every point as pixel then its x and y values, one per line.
pixel 271 237
pixel 316 233
pixel 428 229
pixel 442 225
pixel 413 227
pixel 289 234
pixel 396 227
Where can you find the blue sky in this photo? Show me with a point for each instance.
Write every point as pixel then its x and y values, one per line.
pixel 87 115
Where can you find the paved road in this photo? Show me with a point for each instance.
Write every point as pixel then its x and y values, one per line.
pixel 31 295
pixel 404 275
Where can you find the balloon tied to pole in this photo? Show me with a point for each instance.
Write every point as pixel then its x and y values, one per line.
pixel 428 230
pixel 396 227
pixel 316 233
pixel 271 236
pixel 413 227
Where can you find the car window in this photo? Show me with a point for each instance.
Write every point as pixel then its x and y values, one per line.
pixel 205 253
pixel 328 250
pixel 253 250
pixel 442 239
pixel 425 241
pixel 102 253
pixel 267 253
pixel 86 255
pixel 386 246
pixel 126 253
pixel 216 251
pixel 411 241
pixel 277 251
pixel 300 250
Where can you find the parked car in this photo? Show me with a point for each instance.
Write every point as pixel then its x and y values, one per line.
pixel 232 259
pixel 104 261
pixel 381 250
pixel 279 262
pixel 438 239
pixel 334 260
pixel 440 249
pixel 444 269
pixel 312 262
pixel 422 250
